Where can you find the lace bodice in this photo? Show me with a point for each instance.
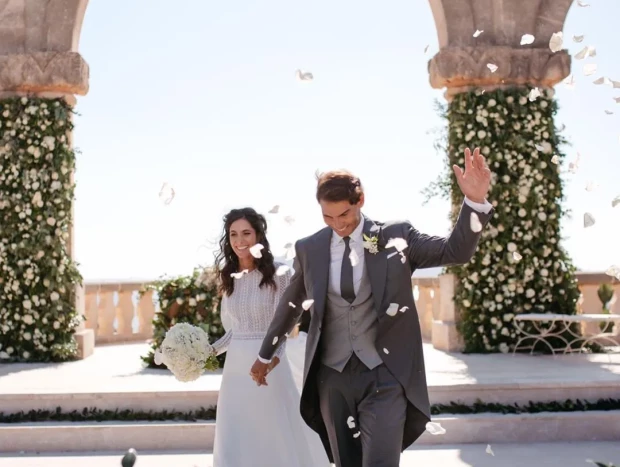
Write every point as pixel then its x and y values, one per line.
pixel 248 312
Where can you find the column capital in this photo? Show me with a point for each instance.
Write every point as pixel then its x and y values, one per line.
pixel 462 68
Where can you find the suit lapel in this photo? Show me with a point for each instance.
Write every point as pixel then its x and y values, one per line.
pixel 319 269
pixel 376 263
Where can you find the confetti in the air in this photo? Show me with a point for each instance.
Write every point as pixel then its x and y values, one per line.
pixel 307 304
pixel 492 67
pixel 392 309
pixel 555 159
pixel 591 186
pixel 527 39
pixel 570 81
pixel 474 223
pixel 255 250
pixel 556 42
pixel 574 166
pixel 351 422
pixel 578 38
pixel 489 450
pixel 292 305
pixel 282 269
pixel 602 80
pixel 582 53
pixel 615 202
pixel 166 193
pixel 275 341
pixel 588 220
pixel 534 94
pixel 581 3
pixel 589 69
pixel 435 428
pixel 304 75
pixel 399 243
pixel 609 112
pixel 357 435
pixel 478 32
pixel 403 309
pixel 274 210
pixel 516 256
pixel 426 48
pixel 289 220
pixel 238 275
pixel 386 351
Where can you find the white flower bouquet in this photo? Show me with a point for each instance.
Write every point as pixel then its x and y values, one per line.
pixel 186 352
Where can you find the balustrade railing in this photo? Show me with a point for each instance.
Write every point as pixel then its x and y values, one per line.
pixel 117 314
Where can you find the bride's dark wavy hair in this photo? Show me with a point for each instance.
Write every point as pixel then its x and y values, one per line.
pixel 227 262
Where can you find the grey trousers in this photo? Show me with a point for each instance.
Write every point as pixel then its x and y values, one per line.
pixel 377 403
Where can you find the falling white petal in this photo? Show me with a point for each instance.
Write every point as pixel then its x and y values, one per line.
pixel 282 269
pixel 573 166
pixel 403 258
pixel 492 67
pixel 583 53
pixel 527 39
pixel 290 251
pixel 474 223
pixel 581 3
pixel 602 80
pixel 399 243
pixel 426 48
pixel 516 256
pixel 609 112
pixel 556 42
pixel 275 341
pixel 615 202
pixel 478 32
pixel 304 75
pixel 392 309
pixel 578 38
pixel 555 159
pixel 570 81
pixel 159 357
pixel 615 84
pixel 588 220
pixel 292 305
pixel 617 99
pixel 489 450
pixel 238 275
pixel 357 435
pixel 435 428
pixel 591 51
pixel 403 309
pixel 534 94
pixel 613 271
pixel 354 258
pixel 351 422
pixel 591 186
pixel 274 210
pixel 255 250
pixel 166 194
pixel 386 351
pixel 589 69
pixel 307 304
pixel 289 219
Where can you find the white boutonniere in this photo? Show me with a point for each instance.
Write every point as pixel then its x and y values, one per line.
pixel 371 244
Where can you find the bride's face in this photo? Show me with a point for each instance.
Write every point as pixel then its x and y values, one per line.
pixel 242 237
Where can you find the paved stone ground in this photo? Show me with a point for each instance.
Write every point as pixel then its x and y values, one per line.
pixel 118 368
pixel 505 455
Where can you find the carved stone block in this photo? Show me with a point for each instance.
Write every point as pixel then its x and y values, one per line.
pixel 39 72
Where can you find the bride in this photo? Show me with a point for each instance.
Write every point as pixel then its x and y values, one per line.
pixel 256 425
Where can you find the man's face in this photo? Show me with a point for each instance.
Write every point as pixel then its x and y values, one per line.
pixel 342 216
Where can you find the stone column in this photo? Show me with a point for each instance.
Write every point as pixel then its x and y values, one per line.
pixel 490 79
pixel 461 63
pixel 39 59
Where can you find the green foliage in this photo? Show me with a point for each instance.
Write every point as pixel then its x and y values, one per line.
pixel 519 266
pixel 38 314
pixel 191 299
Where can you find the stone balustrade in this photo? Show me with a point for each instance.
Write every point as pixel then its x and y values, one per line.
pixel 117 314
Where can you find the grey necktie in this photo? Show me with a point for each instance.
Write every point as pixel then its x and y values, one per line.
pixel 346 274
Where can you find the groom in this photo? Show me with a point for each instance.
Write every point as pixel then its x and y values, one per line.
pixel 365 389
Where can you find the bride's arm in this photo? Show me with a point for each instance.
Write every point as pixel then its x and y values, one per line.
pixel 221 345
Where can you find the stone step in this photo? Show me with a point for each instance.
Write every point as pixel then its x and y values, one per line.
pixel 183 401
pixel 460 429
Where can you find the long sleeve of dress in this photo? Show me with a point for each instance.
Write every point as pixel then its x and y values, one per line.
pixel 221 345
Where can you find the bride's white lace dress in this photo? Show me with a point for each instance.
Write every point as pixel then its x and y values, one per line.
pixel 258 425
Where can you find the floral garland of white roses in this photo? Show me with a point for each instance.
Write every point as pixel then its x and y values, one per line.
pixel 38 315
pixel 519 266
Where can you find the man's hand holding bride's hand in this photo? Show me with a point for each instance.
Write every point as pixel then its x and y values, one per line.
pixel 475 180
pixel 260 370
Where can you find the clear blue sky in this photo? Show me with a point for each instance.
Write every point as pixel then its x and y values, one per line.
pixel 203 95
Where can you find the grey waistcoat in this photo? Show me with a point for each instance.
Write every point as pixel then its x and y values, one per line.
pixel 350 327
